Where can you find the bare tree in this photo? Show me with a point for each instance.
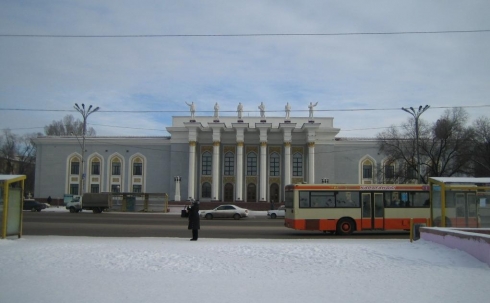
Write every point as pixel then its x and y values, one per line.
pixel 8 145
pixel 18 156
pixel 449 150
pixel 444 147
pixel 26 155
pixel 481 155
pixel 66 127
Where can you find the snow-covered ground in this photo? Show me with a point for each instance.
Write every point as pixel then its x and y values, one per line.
pixel 83 269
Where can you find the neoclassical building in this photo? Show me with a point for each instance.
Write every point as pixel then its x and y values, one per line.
pixel 227 159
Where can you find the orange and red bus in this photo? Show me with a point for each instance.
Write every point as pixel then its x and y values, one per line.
pixel 345 208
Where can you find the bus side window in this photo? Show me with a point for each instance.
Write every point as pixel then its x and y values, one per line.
pixel 304 199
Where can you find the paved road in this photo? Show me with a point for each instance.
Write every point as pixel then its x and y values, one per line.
pixel 116 224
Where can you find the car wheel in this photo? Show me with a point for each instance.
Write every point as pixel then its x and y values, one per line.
pixel 33 209
pixel 237 216
pixel 73 210
pixel 273 216
pixel 209 216
pixel 345 227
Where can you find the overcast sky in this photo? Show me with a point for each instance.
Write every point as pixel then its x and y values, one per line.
pixel 141 82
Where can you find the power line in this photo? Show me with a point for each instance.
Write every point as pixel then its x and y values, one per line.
pixel 233 111
pixel 245 35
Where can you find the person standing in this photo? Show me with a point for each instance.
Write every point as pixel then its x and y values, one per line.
pixel 194 220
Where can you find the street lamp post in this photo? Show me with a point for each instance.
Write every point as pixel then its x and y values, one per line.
pixel 85 113
pixel 416 114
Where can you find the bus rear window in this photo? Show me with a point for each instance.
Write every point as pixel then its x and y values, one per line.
pixel 288 201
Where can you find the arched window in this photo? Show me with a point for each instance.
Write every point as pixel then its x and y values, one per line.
pixel 115 174
pixel 252 164
pixel 297 165
pixel 116 167
pixel 228 196
pixel 274 165
pixel 367 169
pixel 251 192
pixel 137 173
pixel 206 163
pixel 75 166
pixel 206 190
pixel 389 172
pixel 274 193
pixel 137 167
pixel 74 174
pixel 229 164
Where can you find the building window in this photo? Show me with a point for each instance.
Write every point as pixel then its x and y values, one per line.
pixel 367 171
pixel 136 188
pixel 116 168
pixel 206 163
pixel 389 171
pixel 75 168
pixel 74 189
pixel 229 164
pixel 94 188
pixel 206 190
pixel 252 164
pixel 115 188
pixel 297 165
pixel 274 164
pixel 95 168
pixel 411 172
pixel 137 169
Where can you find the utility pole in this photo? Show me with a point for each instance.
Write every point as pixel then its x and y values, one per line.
pixel 416 114
pixel 85 113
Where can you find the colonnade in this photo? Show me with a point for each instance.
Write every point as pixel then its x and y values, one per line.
pixel 264 128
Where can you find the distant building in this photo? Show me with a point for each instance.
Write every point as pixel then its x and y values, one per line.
pixel 225 159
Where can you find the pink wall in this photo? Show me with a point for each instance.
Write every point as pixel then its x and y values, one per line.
pixel 476 242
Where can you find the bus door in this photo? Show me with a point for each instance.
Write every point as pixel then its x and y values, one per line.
pixel 372 211
pixel 466 210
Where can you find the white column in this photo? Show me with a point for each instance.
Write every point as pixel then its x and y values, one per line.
pixel 287 163
pixel 192 170
pixel 311 162
pixel 310 129
pixel 263 171
pixel 287 129
pixel 239 172
pixel 263 128
pixel 240 138
pixel 215 188
pixel 177 188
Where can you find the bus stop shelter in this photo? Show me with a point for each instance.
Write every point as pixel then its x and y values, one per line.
pixel 11 187
pixel 460 202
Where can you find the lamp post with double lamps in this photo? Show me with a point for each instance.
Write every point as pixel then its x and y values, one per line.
pixel 85 113
pixel 416 114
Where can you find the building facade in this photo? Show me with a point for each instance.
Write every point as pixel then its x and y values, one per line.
pixel 248 159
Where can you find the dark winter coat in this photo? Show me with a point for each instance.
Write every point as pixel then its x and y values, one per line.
pixel 194 220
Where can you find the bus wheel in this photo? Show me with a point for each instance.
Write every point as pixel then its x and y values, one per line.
pixel 345 227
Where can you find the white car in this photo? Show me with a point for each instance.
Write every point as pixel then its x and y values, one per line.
pixel 277 213
pixel 225 211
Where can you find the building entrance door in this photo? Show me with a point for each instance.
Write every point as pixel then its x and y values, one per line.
pixel 251 193
pixel 228 196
